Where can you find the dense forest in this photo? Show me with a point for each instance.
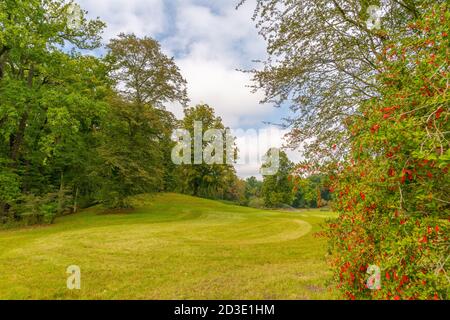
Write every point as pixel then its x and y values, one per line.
pixel 71 137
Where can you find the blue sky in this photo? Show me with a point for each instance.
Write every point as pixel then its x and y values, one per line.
pixel 209 40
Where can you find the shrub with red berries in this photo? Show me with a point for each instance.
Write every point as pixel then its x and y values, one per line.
pixel 392 191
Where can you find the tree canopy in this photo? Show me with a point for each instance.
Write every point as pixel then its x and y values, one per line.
pixel 322 60
pixel 147 75
pixel 203 179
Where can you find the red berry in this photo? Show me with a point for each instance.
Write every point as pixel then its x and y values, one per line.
pixel 375 128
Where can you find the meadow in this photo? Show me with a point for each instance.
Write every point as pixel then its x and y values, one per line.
pixel 170 247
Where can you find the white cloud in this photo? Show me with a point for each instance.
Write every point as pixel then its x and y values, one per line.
pixel 225 89
pixel 227 35
pixel 143 17
pixel 210 46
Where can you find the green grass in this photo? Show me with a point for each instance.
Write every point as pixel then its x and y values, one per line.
pixel 171 247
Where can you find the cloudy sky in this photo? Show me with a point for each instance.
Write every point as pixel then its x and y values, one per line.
pixel 210 40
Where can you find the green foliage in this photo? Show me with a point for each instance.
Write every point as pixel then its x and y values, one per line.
pixel 31 209
pixel 9 187
pixel 9 191
pixel 253 187
pixel 149 76
pixel 63 129
pixel 277 188
pixel 310 192
pixel 371 108
pixel 131 152
pixel 49 100
pixel 256 203
pixel 207 180
pixel 236 191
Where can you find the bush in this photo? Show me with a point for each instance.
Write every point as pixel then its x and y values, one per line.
pixel 257 203
pixel 31 209
pixel 392 191
pixel 9 191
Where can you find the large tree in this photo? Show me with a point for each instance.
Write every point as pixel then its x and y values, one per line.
pixel 252 188
pixel 322 57
pixel 212 180
pixel 133 146
pixel 137 137
pixel 277 188
pixel 144 74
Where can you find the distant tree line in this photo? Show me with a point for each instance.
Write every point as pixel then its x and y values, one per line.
pixel 285 189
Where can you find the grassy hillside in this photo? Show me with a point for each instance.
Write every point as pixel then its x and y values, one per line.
pixel 172 247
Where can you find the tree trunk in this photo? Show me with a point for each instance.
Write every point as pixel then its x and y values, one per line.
pixel 319 198
pixel 61 194
pixel 17 139
pixel 4 211
pixel 75 204
pixel 3 53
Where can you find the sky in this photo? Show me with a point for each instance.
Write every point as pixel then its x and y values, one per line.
pixel 210 40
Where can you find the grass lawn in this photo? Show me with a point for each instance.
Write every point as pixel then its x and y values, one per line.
pixel 171 247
